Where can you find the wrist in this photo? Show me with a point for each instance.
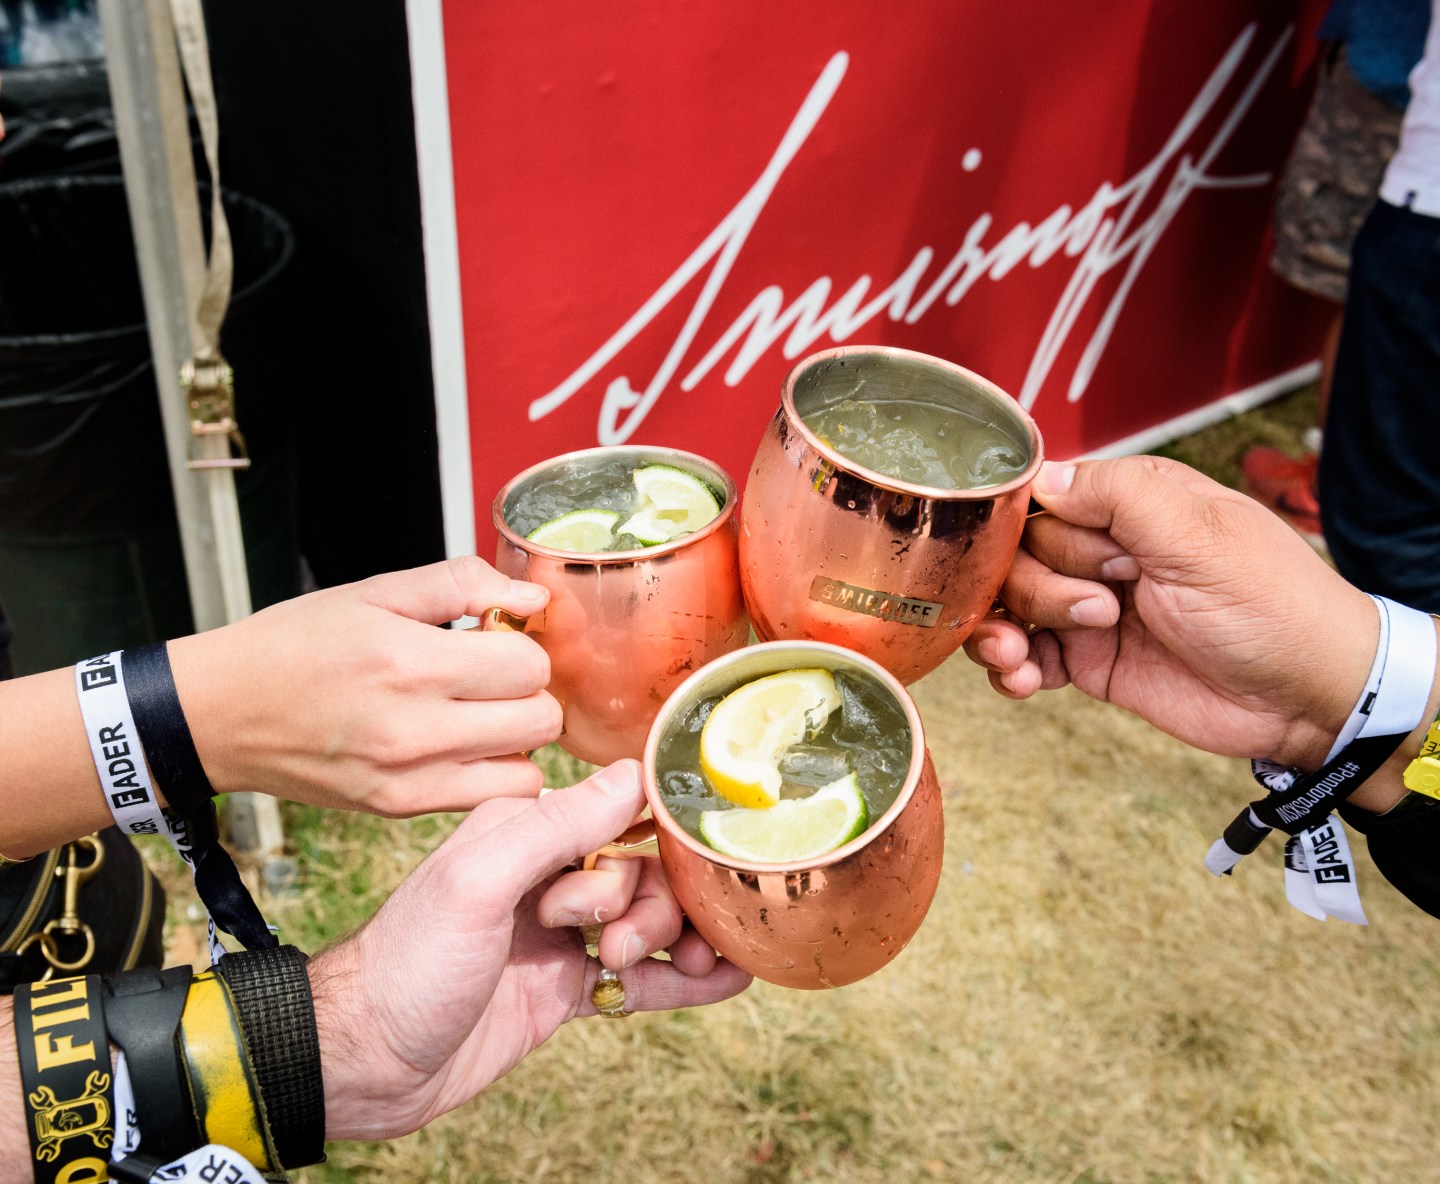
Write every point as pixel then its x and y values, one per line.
pixel 14 1139
pixel 1384 790
pixel 334 984
pixel 1344 661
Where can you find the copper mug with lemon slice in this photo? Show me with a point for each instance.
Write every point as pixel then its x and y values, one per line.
pixel 796 811
pixel 637 546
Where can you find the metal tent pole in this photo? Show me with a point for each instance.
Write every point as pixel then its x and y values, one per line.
pixel 151 122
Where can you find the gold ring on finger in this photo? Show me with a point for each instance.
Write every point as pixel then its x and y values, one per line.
pixel 608 995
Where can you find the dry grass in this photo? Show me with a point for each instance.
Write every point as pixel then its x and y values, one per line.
pixel 1085 1004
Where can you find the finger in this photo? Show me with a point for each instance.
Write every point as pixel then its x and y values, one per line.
pixel 1020 683
pixel 481 665
pixel 691 954
pixel 652 922
pixel 503 862
pixel 457 785
pixel 1078 551
pixel 592 897
pixel 1035 593
pixel 997 644
pixel 1043 669
pixel 441 592
pixel 1144 502
pixel 653 985
pixel 1048 652
pixel 474 729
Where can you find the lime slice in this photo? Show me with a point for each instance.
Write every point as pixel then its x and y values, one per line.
pixel 797 828
pixel 672 502
pixel 579 530
pixel 749 730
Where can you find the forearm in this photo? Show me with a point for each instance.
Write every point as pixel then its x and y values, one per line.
pixel 49 789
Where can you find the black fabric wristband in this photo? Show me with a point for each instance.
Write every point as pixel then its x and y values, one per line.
pixel 273 1003
pixel 65 1077
pixel 164 734
pixel 1313 796
pixel 217 880
pixel 142 1013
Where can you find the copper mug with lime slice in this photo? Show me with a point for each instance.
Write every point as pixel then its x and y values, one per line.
pixel 623 626
pixel 846 906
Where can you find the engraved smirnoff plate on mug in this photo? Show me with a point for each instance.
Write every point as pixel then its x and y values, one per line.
pixel 832 550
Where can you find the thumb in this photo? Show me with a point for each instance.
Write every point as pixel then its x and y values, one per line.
pixel 1148 504
pixel 442 592
pixel 550 833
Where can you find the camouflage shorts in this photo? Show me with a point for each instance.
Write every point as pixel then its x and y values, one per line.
pixel 1330 182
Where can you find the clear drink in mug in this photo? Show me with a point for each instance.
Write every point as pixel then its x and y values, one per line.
pixel 854 747
pixel 921 442
pixel 612 502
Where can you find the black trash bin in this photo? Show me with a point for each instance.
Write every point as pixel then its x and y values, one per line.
pixel 90 554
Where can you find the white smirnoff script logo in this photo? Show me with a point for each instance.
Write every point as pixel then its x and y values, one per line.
pixel 1117 228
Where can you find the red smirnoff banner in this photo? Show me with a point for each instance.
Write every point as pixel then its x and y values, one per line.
pixel 639 216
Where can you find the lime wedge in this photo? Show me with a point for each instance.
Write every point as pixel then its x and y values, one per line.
pixel 749 730
pixel 793 829
pixel 672 502
pixel 579 530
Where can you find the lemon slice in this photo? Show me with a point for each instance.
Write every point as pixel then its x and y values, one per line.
pixel 672 502
pixel 579 530
pixel 750 729
pixel 797 828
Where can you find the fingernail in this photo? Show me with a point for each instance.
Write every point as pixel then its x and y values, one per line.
pixel 522 591
pixel 565 917
pixel 619 780
pixel 1093 611
pixel 1054 477
pixel 1122 567
pixel 634 948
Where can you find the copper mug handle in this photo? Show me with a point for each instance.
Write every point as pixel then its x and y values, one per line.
pixel 494 620
pixel 640 840
pixel 497 619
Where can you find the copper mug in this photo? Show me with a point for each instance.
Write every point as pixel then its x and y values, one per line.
pixel 624 628
pixel 833 551
pixel 822 922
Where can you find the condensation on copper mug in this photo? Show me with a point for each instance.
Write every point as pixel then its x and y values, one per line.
pixel 834 552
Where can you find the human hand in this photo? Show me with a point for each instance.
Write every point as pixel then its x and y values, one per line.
pixel 472 963
pixel 1185 602
pixel 351 697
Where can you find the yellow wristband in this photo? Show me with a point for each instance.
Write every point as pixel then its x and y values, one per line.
pixel 228 1107
pixel 1422 775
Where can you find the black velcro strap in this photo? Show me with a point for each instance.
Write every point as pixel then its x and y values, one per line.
pixel 164 734
pixel 142 1011
pixel 65 1077
pixel 271 991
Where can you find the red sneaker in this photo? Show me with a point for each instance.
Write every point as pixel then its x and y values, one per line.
pixel 1285 485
